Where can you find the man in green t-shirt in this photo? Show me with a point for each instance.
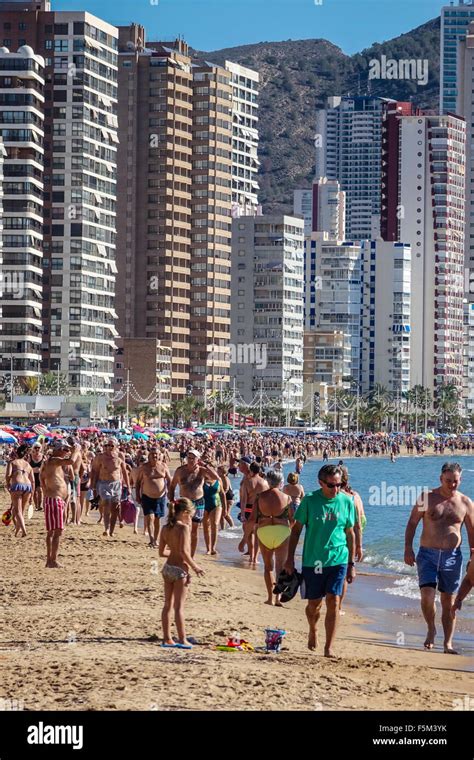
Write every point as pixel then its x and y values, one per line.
pixel 329 517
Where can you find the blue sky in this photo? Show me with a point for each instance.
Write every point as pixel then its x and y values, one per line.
pixel 213 24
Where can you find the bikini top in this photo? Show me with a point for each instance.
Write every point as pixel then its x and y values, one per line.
pixel 283 516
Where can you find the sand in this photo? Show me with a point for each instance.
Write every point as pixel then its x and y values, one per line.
pixel 87 637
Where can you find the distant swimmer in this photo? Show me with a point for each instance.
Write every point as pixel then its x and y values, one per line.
pixel 444 511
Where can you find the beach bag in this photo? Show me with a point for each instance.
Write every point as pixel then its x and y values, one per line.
pixel 7 517
pixel 128 511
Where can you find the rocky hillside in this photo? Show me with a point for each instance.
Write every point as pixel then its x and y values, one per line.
pixel 296 78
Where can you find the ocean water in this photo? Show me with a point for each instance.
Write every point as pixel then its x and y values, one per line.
pixel 388 491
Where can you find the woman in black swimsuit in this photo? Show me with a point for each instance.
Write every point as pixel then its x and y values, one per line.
pixel 36 460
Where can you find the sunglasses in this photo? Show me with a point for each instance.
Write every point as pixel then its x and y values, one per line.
pixel 333 485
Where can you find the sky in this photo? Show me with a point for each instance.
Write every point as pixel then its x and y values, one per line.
pixel 213 24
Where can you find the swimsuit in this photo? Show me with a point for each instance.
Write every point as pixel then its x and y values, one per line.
pixel 172 573
pixel 36 466
pixel 272 536
pixel 20 488
pixel 153 505
pixel 199 505
pixel 211 496
pixel 54 513
pixel 440 568
pixel 109 490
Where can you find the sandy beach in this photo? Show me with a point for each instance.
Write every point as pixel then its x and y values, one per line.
pixel 87 637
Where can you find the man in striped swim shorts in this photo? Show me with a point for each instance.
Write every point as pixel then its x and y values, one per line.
pixel 55 491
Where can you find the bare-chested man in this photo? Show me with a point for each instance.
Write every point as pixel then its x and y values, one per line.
pixel 443 510
pixel 76 463
pixel 152 484
pixel 55 490
pixel 190 478
pixel 252 484
pixel 109 472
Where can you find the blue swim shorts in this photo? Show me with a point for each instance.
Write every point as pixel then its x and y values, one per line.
pixel 440 569
pixel 315 585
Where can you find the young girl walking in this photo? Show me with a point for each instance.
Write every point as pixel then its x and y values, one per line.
pixel 176 535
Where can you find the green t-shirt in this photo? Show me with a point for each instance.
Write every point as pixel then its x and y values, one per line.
pixel 326 521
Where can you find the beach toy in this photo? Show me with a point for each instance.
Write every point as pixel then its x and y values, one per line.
pixel 7 517
pixel 274 639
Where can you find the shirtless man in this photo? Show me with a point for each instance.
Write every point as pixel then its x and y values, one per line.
pixel 443 510
pixel 76 464
pixel 55 491
pixel 252 484
pixel 190 478
pixel 152 483
pixel 108 473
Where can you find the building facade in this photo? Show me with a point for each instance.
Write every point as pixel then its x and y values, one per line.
pixel 22 187
pixel 80 153
pixel 323 208
pixel 428 154
pixel 455 20
pixel 465 108
pixel 267 308
pixel 245 138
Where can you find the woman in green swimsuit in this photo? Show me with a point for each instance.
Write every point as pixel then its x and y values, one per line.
pixel 273 515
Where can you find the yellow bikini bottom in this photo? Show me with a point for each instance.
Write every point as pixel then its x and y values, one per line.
pixel 273 536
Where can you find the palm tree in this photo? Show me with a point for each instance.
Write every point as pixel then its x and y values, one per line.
pixel 31 385
pixel 446 403
pixel 53 384
pixel 187 407
pixel 144 413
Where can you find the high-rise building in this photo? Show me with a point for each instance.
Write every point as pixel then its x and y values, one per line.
pixel 245 163
pixel 386 289
pixel 267 308
pixel 21 267
pixel 333 291
pixel 80 156
pixel 154 195
pixel 465 108
pixel 323 208
pixel 211 234
pixel 349 149
pixel 425 159
pixel 175 203
pixel 454 22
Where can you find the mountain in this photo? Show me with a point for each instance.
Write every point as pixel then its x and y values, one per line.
pixel 296 78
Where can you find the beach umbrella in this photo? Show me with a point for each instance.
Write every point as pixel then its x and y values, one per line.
pixel 163 437
pixel 28 436
pixel 7 437
pixel 40 429
pixel 141 436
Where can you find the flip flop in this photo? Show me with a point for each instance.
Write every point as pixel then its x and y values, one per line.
pixel 176 646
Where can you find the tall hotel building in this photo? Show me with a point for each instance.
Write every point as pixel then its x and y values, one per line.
pixel 455 20
pixel 267 308
pixel 21 185
pixel 80 157
pixel 349 149
pixel 175 202
pixel 423 205
pixel 245 161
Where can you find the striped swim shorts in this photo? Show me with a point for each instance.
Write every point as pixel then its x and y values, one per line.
pixel 54 513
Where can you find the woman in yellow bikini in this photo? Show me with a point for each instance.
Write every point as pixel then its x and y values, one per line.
pixel 273 515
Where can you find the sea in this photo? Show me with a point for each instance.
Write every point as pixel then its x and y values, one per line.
pixel 389 491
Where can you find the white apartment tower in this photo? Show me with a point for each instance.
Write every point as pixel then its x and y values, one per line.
pixel 323 208
pixel 245 163
pixel 83 200
pixel 465 108
pixel 267 308
pixel 21 138
pixel 431 163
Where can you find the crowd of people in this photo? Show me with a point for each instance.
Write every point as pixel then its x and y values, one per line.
pixel 67 478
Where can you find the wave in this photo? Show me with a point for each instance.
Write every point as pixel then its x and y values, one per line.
pixel 385 562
